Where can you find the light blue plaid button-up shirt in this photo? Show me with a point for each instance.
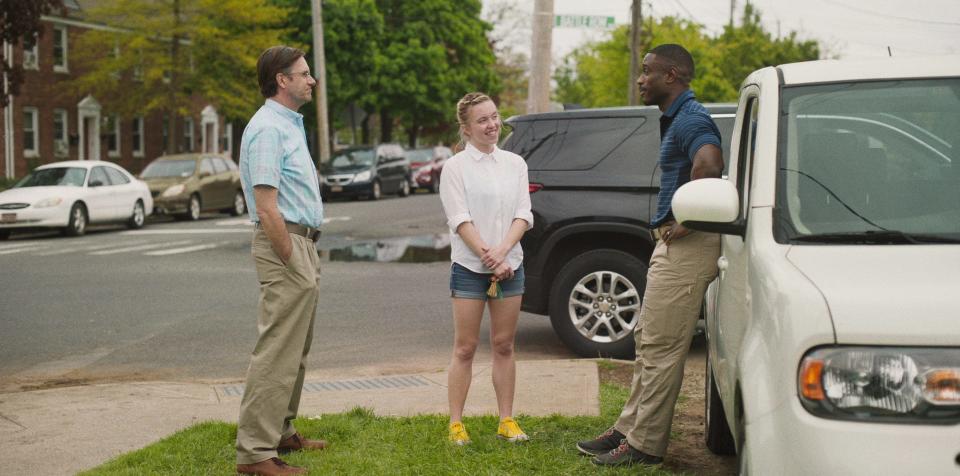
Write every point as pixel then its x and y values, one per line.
pixel 274 152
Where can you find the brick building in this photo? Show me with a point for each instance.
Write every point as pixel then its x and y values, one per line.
pixel 44 123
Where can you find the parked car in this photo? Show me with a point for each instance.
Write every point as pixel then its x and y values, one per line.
pixel 426 164
pixel 833 334
pixel 593 181
pixel 185 185
pixel 70 195
pixel 366 171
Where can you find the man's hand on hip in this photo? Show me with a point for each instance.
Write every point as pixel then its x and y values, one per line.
pixel 272 221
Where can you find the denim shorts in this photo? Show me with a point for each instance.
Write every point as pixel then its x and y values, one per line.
pixel 469 285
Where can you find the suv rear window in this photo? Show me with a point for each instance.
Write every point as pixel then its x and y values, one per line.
pixel 570 144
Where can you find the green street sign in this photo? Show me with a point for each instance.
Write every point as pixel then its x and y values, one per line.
pixel 583 21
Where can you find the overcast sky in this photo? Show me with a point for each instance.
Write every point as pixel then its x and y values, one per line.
pixel 844 28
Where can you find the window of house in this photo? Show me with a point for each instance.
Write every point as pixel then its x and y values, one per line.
pixel 61 146
pixel 31 55
pixel 137 142
pixel 228 139
pixel 112 130
pixel 31 131
pixel 188 134
pixel 60 48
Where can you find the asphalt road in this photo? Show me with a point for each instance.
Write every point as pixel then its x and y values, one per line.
pixel 177 300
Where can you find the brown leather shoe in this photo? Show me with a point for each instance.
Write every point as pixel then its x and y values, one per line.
pixel 270 467
pixel 297 442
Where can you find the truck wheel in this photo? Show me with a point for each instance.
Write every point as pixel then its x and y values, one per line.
pixel 595 303
pixel 716 431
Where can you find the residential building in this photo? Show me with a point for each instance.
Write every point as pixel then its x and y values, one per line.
pixel 48 122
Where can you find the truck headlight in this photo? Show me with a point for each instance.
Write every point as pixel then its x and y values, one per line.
pixel 362 176
pixel 174 190
pixel 888 384
pixel 48 202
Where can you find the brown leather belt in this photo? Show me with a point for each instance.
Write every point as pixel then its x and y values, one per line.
pixel 312 234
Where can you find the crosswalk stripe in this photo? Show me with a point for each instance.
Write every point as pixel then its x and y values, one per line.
pixel 63 251
pixel 18 245
pixel 189 231
pixel 234 222
pixel 140 248
pixel 187 249
pixel 18 250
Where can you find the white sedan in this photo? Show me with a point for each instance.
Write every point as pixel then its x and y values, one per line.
pixel 70 195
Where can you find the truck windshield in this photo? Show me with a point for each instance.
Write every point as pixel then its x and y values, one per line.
pixel 877 159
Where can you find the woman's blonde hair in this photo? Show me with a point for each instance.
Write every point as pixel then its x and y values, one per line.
pixel 463 109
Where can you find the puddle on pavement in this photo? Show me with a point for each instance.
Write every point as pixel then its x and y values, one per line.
pixel 408 249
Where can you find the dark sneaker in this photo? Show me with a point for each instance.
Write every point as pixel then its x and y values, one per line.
pixel 604 443
pixel 625 455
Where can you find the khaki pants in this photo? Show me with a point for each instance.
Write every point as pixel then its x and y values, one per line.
pixel 286 310
pixel 677 279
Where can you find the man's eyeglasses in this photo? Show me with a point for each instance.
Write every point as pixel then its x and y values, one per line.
pixel 303 74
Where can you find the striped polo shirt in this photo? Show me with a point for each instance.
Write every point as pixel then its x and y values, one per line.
pixel 274 152
pixel 685 127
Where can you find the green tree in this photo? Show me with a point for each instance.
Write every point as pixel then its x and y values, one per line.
pixel 351 44
pixel 432 52
pixel 596 75
pixel 20 22
pixel 161 54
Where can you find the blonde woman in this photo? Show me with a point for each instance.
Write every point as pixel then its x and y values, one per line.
pixel 486 199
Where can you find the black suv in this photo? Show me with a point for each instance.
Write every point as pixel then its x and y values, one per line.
pixel 594 181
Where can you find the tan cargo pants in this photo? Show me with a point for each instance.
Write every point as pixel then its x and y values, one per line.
pixel 676 281
pixel 286 310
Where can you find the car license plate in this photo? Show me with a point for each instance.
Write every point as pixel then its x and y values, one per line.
pixel 336 189
pixel 8 218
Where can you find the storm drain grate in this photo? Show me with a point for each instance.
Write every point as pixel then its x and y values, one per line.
pixel 380 383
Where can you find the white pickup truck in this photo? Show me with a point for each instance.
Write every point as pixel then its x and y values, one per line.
pixel 833 328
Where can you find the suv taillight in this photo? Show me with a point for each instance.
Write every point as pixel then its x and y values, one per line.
pixel 535 187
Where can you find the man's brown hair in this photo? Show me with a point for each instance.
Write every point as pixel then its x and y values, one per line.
pixel 276 59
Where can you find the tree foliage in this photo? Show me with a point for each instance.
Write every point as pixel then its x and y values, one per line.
pixel 161 54
pixel 408 61
pixel 432 53
pixel 21 25
pixel 596 75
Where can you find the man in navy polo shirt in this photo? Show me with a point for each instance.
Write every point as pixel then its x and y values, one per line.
pixel 682 265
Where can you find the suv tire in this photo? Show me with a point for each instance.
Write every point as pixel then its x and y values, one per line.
pixel 596 271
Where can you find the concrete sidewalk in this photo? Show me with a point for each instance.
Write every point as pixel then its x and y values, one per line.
pixel 66 430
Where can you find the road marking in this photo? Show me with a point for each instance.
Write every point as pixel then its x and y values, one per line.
pixel 328 220
pixel 234 222
pixel 187 249
pixel 17 250
pixel 189 231
pixel 140 248
pixel 63 251
pixel 18 245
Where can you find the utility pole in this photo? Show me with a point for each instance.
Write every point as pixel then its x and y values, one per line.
pixel 320 66
pixel 636 24
pixel 538 91
pixel 733 7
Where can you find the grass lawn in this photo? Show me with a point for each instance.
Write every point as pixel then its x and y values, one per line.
pixel 363 443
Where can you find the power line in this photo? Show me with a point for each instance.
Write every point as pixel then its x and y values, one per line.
pixel 892 17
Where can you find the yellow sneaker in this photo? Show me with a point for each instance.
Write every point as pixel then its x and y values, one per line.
pixel 509 430
pixel 458 434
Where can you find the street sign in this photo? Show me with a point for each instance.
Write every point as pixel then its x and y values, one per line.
pixel 583 21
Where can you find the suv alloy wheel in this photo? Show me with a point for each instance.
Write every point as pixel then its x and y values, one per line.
pixel 595 303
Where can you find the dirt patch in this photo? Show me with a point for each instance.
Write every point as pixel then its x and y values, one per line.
pixel 77 379
pixel 687 452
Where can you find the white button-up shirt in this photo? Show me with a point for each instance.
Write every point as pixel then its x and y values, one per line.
pixel 489 190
